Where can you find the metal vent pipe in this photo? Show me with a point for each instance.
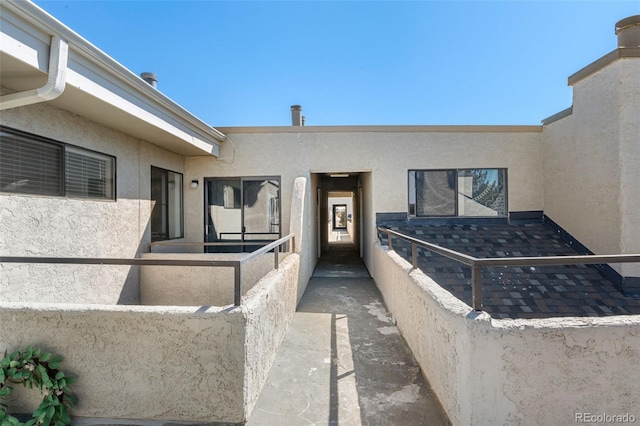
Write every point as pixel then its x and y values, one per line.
pixel 296 115
pixel 150 78
pixel 628 31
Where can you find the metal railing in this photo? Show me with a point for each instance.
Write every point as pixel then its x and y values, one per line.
pixel 209 244
pixel 235 264
pixel 477 264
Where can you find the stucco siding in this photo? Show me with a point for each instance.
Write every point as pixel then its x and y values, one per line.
pixel 191 286
pixel 181 363
pixel 521 372
pixel 591 159
pixel 629 117
pixel 270 307
pixel 386 155
pixel 71 227
pixel 134 362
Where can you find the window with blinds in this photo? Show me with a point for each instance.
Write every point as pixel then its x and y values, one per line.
pixel 31 164
pixel 88 174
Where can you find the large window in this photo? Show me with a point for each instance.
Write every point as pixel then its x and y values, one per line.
pixel 31 164
pixel 458 192
pixel 166 205
pixel 242 209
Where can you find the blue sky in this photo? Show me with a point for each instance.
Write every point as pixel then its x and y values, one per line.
pixel 244 63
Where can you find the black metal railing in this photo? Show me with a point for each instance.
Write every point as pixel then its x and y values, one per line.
pixel 477 264
pixel 235 264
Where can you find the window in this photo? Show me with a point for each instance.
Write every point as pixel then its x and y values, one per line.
pixel 461 192
pixel 166 205
pixel 339 216
pixel 241 209
pixel 87 174
pixel 30 164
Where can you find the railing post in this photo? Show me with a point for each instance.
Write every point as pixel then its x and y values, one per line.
pixel 389 240
pixel 237 285
pixel 414 255
pixel 476 286
pixel 276 250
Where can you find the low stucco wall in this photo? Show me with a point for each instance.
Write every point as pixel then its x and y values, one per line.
pixel 190 286
pixel 190 363
pixel 270 307
pixel 136 361
pixel 534 372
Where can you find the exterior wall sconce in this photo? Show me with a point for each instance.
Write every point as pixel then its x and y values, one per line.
pixel 194 184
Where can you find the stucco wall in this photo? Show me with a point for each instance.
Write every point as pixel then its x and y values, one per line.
pixel 139 362
pixel 67 227
pixel 303 207
pixel 388 155
pixel 190 286
pixel 194 363
pixel 591 163
pixel 533 372
pixel 270 307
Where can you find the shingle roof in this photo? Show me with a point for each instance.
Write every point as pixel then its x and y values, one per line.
pixel 516 292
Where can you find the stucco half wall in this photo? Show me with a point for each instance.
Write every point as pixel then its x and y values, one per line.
pixel 189 286
pixel 191 363
pixel 534 372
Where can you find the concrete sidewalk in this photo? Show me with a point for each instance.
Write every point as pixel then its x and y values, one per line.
pixel 343 360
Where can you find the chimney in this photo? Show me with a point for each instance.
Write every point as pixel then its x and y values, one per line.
pixel 150 78
pixel 628 32
pixel 296 115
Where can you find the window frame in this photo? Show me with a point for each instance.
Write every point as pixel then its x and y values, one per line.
pixel 168 208
pixel 62 178
pixel 412 212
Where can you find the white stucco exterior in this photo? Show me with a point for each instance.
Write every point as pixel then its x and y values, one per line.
pixel 581 170
pixel 67 227
pixel 190 363
pixel 190 286
pixel 533 372
pixel 591 162
pixel 386 154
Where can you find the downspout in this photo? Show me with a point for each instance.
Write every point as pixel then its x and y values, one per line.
pixel 55 83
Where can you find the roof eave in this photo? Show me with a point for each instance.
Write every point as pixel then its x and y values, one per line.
pixel 199 134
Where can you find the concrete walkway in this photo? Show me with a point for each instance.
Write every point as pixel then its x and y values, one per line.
pixel 343 360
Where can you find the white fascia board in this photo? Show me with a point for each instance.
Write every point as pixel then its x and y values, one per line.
pixel 24 42
pixel 97 83
pixel 29 40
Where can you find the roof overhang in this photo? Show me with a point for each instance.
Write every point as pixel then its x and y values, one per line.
pixel 97 87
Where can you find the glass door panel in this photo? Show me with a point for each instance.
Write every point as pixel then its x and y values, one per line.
pixel 261 210
pixel 241 209
pixel 224 214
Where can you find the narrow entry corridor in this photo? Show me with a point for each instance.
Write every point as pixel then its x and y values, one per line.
pixel 343 360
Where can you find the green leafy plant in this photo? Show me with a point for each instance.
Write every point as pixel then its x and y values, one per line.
pixel 35 368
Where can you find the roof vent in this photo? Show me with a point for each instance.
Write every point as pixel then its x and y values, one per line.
pixel 296 116
pixel 628 31
pixel 150 78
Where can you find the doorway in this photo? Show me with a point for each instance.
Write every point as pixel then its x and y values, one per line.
pixel 241 209
pixel 338 213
